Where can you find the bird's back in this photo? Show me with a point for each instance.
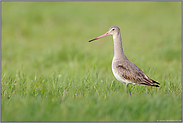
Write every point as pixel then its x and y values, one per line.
pixel 125 71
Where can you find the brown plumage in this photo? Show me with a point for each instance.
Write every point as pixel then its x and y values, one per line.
pixel 131 72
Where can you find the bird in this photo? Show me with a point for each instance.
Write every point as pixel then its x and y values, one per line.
pixel 123 69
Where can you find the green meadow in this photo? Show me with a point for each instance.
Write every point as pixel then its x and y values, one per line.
pixel 50 72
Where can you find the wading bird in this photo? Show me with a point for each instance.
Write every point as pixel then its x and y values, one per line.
pixel 123 69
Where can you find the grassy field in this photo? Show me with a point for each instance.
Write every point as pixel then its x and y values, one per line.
pixel 50 72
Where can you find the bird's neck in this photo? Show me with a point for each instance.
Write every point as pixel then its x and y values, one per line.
pixel 118 49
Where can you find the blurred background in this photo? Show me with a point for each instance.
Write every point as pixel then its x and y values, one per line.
pixel 47 34
pixel 46 59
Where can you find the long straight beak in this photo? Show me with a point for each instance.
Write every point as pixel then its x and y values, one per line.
pixel 100 36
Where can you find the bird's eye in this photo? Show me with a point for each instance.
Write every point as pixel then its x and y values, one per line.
pixel 113 29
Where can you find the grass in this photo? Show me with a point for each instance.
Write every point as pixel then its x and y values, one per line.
pixel 49 71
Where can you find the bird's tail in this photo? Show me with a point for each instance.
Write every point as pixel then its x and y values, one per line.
pixel 152 83
pixel 156 84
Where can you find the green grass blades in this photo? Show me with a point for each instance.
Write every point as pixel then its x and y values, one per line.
pixel 50 72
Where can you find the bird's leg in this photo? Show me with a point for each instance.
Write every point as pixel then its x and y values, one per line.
pixel 128 90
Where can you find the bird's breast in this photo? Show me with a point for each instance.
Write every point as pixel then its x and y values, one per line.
pixel 118 73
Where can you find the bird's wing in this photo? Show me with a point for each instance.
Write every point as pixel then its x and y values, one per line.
pixel 131 72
